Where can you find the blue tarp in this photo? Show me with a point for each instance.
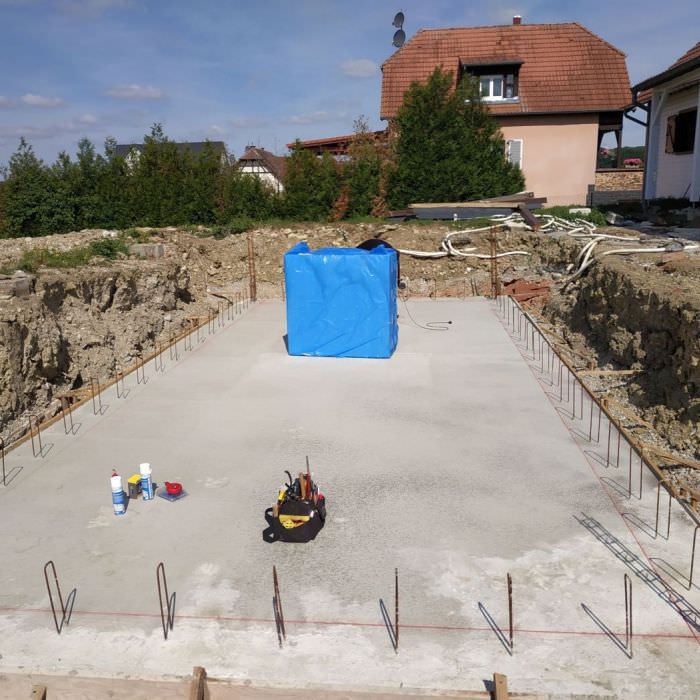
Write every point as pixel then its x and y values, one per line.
pixel 341 302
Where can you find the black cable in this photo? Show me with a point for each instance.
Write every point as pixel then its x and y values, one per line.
pixel 430 325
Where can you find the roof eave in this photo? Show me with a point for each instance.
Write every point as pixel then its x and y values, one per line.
pixel 667 75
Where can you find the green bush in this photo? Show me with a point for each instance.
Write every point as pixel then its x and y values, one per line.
pixel 108 248
pixel 32 260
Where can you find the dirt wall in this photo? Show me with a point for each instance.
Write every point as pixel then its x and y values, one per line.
pixel 644 315
pixel 74 326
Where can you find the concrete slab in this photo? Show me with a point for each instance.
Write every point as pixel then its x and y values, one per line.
pixel 453 461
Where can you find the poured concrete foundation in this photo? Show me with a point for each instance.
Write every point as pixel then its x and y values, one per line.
pixel 451 461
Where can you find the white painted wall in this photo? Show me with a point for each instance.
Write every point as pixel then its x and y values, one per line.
pixel 265 175
pixel 674 172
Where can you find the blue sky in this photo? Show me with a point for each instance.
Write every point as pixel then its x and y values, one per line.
pixel 263 72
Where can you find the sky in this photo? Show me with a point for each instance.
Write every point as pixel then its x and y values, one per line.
pixel 260 72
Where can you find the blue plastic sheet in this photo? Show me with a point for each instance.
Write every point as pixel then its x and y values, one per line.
pixel 341 302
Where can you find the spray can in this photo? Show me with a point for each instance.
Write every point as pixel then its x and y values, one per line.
pixel 146 481
pixel 118 498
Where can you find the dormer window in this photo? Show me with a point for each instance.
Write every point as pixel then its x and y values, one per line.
pixel 498 81
pixel 498 87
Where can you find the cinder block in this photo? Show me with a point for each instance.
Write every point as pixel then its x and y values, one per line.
pixel 147 250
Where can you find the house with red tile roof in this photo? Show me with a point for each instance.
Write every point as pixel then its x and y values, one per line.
pixel 265 165
pixel 672 101
pixel 555 90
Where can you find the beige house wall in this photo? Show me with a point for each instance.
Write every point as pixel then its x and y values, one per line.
pixel 559 154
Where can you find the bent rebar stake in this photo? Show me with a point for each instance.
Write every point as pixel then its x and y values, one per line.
pixel 670 500
pixel 500 635
pixel 65 404
pixel 277 608
pixel 692 556
pixel 392 628
pixel 158 358
pixel 167 615
pixel 2 457
pixel 140 379
pixel 31 435
pixel 95 384
pixel 67 607
pixel 510 610
pixel 625 647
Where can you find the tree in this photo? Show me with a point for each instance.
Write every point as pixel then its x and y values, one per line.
pixel 202 186
pixel 363 171
pixel 311 185
pixel 61 211
pixel 448 147
pixel 25 193
pixel 246 195
pixel 114 189
pixel 158 181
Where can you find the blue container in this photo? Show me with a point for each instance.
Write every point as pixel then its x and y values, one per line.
pixel 341 302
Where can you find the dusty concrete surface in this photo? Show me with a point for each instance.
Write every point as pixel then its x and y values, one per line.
pixel 448 461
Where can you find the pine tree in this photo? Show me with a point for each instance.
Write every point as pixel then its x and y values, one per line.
pixel 114 189
pixel 25 193
pixel 311 185
pixel 363 170
pixel 448 147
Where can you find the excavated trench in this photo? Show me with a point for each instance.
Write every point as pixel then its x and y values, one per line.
pixel 59 328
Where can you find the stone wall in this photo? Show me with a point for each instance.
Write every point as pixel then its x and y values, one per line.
pixel 613 185
pixel 619 179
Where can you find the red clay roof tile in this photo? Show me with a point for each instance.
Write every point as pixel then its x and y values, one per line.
pixel 565 67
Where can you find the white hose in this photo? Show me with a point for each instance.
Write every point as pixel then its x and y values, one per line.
pixel 589 260
pixel 576 228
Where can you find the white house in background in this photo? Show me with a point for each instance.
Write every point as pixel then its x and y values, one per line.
pixel 672 100
pixel 270 168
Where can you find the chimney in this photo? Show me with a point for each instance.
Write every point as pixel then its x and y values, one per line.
pixel 517 19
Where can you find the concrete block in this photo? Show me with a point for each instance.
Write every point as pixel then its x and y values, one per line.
pixel 19 285
pixel 614 219
pixel 147 250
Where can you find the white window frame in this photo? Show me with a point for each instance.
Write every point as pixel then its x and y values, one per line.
pixel 509 143
pixel 491 97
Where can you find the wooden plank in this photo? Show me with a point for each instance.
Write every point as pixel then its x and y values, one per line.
pixel 38 692
pixel 530 220
pixel 611 372
pixel 670 457
pixel 198 688
pixel 500 687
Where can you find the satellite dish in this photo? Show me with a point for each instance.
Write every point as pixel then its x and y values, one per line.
pixel 398 20
pixel 399 38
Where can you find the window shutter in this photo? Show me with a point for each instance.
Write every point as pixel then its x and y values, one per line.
pixel 671 134
pixel 514 152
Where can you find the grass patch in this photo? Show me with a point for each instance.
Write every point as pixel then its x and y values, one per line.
pixel 32 260
pixel 136 236
pixel 595 217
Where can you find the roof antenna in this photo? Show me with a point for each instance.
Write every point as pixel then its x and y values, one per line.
pixel 399 34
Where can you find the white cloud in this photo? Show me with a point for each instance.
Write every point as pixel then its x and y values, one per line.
pixel 88 119
pixel 214 130
pixel 248 122
pixel 41 101
pixel 132 91
pixel 316 117
pixel 359 68
pixel 5 101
